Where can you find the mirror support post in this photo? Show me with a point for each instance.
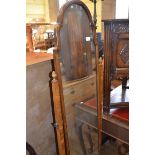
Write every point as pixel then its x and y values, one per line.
pixel 58 124
pixel 58 72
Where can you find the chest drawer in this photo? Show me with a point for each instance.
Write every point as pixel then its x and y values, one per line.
pixel 79 91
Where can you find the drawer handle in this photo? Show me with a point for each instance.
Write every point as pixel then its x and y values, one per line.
pixel 92 83
pixel 72 92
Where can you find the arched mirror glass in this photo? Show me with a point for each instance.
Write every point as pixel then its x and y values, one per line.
pixel 78 74
pixel 76 48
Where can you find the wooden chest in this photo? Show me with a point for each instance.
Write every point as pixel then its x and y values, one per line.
pixel 78 91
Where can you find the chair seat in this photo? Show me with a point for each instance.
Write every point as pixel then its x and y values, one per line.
pixel 121 113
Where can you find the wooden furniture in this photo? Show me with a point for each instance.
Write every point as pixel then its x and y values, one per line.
pixel 73 95
pixel 116 58
pixel 37 96
pixel 74 65
pixel 112 125
pixel 44 62
pixel 115 124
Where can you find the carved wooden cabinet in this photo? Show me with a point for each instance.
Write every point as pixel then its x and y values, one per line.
pixel 116 55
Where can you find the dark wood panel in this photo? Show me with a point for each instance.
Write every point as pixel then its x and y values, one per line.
pixel 116 55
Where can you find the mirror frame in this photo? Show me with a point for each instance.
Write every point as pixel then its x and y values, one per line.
pixel 57 69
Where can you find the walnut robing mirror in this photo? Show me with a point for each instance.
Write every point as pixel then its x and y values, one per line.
pixel 76 69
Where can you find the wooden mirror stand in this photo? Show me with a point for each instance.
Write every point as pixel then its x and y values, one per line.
pixel 75 62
